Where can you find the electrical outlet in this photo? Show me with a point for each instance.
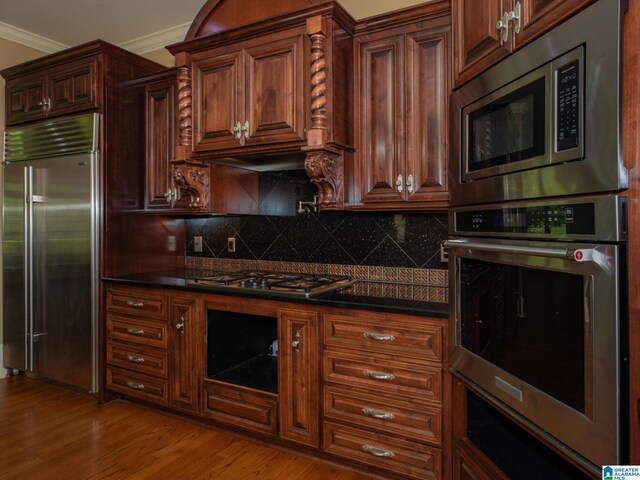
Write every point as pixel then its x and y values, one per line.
pixel 444 253
pixel 197 244
pixel 231 244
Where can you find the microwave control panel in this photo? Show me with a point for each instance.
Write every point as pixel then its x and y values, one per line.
pixel 567 106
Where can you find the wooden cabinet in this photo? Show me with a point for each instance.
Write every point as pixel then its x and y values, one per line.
pixel 299 378
pixel 159 97
pixel 366 387
pixel 136 328
pixel 385 392
pixel 58 90
pixel 402 91
pixel 151 346
pixel 251 96
pixel 183 359
pixel 483 35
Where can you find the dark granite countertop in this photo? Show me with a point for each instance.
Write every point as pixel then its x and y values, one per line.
pixel 363 295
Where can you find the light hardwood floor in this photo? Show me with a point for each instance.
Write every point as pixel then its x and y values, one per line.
pixel 49 433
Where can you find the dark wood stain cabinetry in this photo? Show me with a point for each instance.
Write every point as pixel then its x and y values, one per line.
pixel 402 90
pixel 386 392
pixel 151 346
pixel 366 387
pixel 158 97
pixel 299 380
pixel 478 38
pixel 252 96
pixel 63 88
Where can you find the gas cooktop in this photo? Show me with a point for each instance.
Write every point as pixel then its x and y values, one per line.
pixel 279 283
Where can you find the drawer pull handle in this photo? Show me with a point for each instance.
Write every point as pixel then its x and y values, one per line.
pixel 135 331
pixel 135 385
pixel 135 359
pixel 380 337
pixel 378 452
pixel 378 375
pixel 378 414
pixel 135 304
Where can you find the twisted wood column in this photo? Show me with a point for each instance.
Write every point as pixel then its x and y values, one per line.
pixel 184 106
pixel 316 30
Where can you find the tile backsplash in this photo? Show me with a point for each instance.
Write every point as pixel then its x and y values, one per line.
pixel 401 248
pixel 399 240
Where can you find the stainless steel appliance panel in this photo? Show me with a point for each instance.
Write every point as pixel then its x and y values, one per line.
pixel 62 269
pixel 589 425
pixel 13 265
pixel 51 218
pixel 595 165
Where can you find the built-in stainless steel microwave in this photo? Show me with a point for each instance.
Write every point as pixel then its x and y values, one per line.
pixel 545 121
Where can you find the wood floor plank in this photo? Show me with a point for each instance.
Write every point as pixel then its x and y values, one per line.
pixel 47 433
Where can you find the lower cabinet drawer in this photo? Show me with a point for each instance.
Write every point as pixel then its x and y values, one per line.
pixel 137 385
pixel 382 451
pixel 241 407
pixel 143 332
pixel 144 360
pixel 387 414
pixel 383 375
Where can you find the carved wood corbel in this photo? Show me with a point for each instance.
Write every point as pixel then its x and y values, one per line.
pixel 326 169
pixel 194 179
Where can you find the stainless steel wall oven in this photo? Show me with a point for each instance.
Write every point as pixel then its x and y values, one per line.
pixel 538 317
pixel 545 121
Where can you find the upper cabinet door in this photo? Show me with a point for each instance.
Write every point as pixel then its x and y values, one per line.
pixel 539 16
pixel 478 43
pixel 24 98
pixel 217 101
pixel 275 93
pixel 427 84
pixel 379 118
pixel 72 88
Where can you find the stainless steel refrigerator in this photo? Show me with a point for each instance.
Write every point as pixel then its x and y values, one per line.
pixel 51 224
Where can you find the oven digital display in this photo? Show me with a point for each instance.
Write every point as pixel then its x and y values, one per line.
pixel 559 220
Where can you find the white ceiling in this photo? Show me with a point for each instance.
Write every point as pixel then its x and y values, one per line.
pixel 72 22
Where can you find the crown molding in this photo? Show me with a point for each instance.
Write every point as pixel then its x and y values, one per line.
pixel 29 39
pixel 157 40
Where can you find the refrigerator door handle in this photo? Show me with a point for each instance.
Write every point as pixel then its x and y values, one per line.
pixel 28 271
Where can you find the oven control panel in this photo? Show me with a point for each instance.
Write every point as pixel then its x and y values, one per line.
pixel 560 220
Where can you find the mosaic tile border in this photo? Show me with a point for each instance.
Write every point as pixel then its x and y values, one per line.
pixel 413 283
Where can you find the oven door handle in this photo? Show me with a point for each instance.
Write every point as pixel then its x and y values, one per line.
pixel 578 255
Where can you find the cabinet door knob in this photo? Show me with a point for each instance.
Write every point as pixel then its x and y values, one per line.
pixel 245 130
pixel 399 183
pixel 410 184
pixel 237 130
pixel 180 326
pixel 45 103
pixel 296 342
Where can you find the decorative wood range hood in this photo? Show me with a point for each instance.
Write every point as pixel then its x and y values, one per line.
pixel 264 86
